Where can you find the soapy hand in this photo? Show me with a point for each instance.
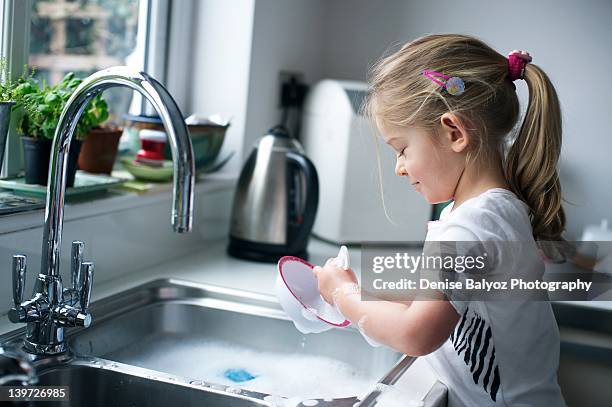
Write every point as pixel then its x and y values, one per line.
pixel 337 277
pixel 331 277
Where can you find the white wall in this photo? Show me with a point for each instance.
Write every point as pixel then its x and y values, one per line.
pixel 287 36
pixel 358 32
pixel 180 53
pixel 222 32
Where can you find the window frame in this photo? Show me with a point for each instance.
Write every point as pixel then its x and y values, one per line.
pixel 14 46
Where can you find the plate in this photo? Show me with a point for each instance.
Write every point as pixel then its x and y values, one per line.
pixel 298 293
pixel 146 172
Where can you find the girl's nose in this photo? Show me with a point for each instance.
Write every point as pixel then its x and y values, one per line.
pixel 400 171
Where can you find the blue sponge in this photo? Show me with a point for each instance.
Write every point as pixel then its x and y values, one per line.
pixel 238 375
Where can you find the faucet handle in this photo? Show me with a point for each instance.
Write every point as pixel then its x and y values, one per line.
pixel 87 271
pixel 19 272
pixel 76 259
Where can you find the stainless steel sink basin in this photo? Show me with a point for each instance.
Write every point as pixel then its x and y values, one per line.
pixel 176 342
pixel 96 386
pixel 197 332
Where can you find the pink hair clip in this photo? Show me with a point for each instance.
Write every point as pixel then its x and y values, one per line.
pixel 453 85
pixel 517 60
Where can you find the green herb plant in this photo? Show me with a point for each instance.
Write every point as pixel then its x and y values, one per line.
pixel 43 104
pixel 6 88
pixel 7 85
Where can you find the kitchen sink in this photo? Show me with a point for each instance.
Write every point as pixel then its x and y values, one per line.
pixel 196 331
pixel 97 386
pixel 172 341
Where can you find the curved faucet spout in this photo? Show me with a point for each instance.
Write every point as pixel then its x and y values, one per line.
pixel 178 136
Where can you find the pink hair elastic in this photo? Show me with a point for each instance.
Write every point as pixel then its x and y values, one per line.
pixel 453 85
pixel 517 60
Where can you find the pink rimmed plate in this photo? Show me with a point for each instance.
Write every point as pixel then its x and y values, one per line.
pixel 298 293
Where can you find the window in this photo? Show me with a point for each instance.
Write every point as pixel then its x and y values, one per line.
pixel 82 36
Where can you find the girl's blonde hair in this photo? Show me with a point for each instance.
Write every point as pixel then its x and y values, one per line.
pixel 400 95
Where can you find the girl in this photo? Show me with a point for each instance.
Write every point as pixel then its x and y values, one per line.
pixel 447 104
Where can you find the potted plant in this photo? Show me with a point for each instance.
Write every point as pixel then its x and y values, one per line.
pixel 42 107
pixel 99 149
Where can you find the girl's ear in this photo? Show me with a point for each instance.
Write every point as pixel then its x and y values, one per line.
pixel 453 132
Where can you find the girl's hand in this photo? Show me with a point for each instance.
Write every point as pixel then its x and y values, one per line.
pixel 331 277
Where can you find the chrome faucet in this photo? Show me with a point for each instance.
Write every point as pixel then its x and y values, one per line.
pixel 52 307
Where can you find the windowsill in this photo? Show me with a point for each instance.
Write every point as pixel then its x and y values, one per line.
pixel 114 201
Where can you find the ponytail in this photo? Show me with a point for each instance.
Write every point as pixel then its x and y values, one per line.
pixel 531 163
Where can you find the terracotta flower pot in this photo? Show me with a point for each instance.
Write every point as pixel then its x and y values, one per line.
pixel 99 150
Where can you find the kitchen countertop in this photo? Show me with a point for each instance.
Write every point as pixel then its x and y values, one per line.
pixel 212 265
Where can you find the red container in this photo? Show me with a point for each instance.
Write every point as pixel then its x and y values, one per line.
pixel 152 144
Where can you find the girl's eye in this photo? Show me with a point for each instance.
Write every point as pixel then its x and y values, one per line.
pixel 401 153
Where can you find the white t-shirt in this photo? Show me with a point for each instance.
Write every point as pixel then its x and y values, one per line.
pixel 501 353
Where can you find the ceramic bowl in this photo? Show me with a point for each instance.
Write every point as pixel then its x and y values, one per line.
pixel 207 135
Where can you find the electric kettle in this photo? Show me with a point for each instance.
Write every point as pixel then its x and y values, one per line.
pixel 275 202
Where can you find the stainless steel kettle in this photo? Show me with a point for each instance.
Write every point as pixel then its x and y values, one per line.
pixel 275 202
